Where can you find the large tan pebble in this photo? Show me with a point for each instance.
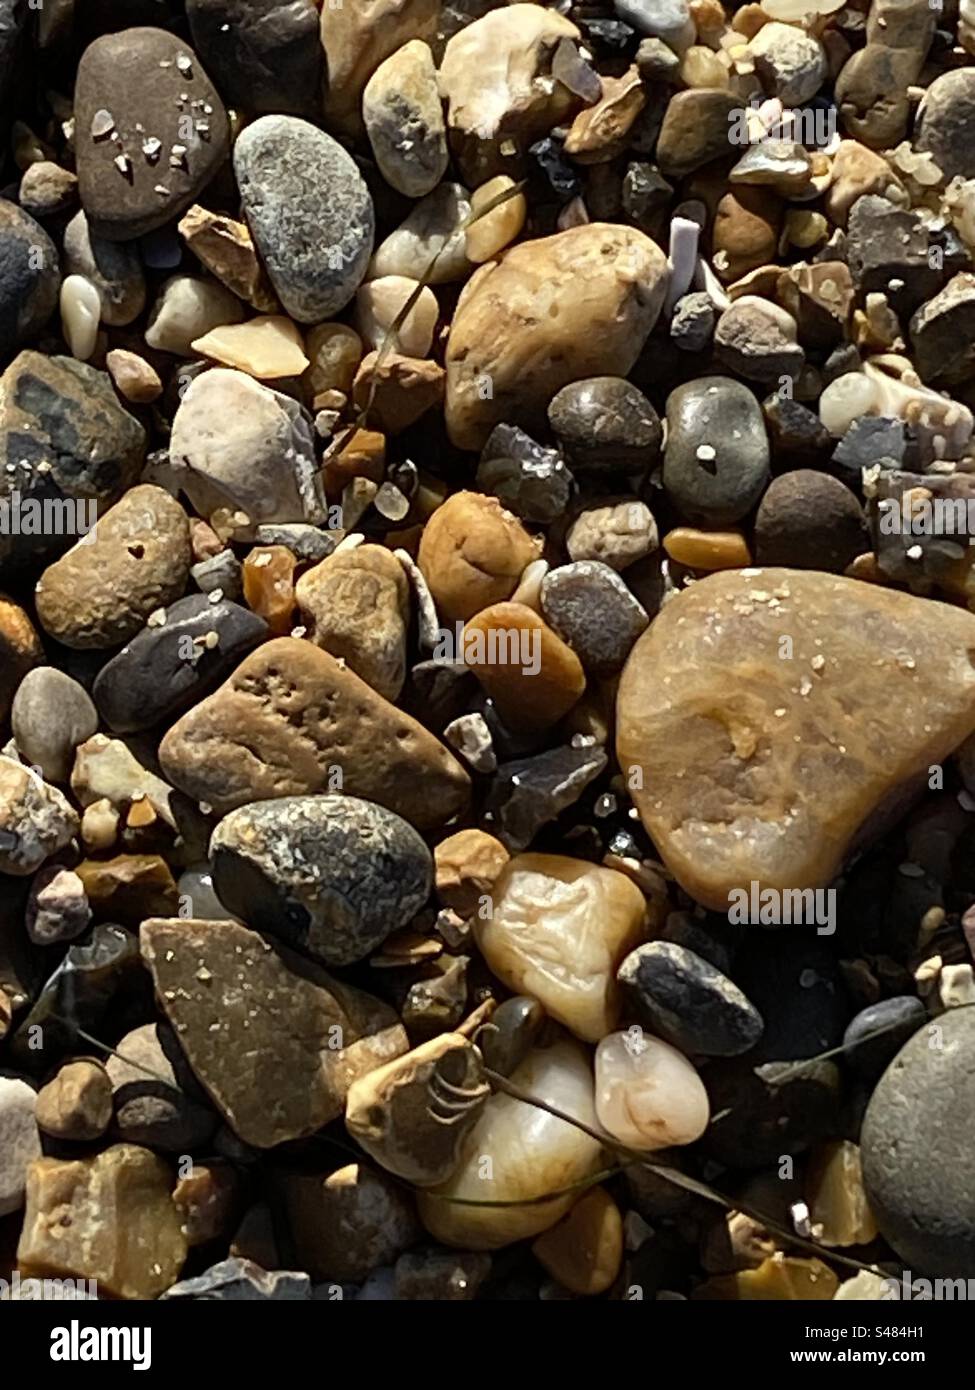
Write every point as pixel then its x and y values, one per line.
pixel 648 1096
pixel 558 930
pixel 290 721
pixel 532 676
pixel 472 554
pixel 577 304
pixel 136 560
pixel 404 120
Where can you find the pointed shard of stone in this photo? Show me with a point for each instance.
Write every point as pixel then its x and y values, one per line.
pixel 273 1039
pixel 768 717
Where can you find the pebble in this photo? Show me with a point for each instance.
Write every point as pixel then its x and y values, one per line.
pixel 263 55
pixel 727 623
pixel 31 278
pixel 693 320
pixel 606 424
pixel 498 214
pixel 21 1143
pixel 747 224
pixel 404 120
pixel 584 1251
pixel 855 171
pixel 524 325
pixel 809 520
pixel 287 719
pixel 511 1033
pixel 187 309
pixel 757 340
pixel 129 887
pixel 894 1021
pixel 124 1231
pixel 240 447
pixel 915 1173
pixel 57 907
pixel 134 84
pixel 270 1065
pixel 379 305
pixel 241 1281
pixel 356 605
pixel 648 1096
pixel 495 74
pixel 526 1159
pixel 717 457
pixel 838 1208
pixel 83 447
pixel 36 820
pixel 940 332
pixel 529 792
pixel 943 125
pixel 689 1003
pixel 155 1098
pixel 347 1223
pixel 169 664
pixel 791 64
pixel 46 189
pixel 432 231
pixel 268 579
pixel 531 676
pixel 356 40
pixel 408 1120
pixel 528 478
pixel 309 212
pixel 114 268
pixel 467 864
pixel 396 391
pixel 472 554
pixel 695 130
pixel 589 606
pixel 334 352
pixel 558 929
pixel 618 534
pixel 134 378
pixel 20 652
pixel 887 244
pixel 76 1104
pixel 707 550
pixel 103 590
pixel 266 347
pixel 106 768
pixel 669 20
pixel 331 875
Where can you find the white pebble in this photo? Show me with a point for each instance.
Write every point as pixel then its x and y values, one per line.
pixel 80 314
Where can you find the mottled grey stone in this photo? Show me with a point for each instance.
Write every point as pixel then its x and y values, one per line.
pixel 684 999
pixel 717 457
pixel 591 608
pixel 29 277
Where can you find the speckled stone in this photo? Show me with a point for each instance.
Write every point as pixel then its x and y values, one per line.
pixel 914 1146
pixel 332 875
pixel 591 608
pixel 153 87
pixel 29 281
pixel 309 212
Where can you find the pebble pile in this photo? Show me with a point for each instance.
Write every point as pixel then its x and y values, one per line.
pixel 487 616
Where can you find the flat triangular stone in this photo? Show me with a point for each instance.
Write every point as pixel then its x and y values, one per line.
pixel 274 1040
pixel 770 714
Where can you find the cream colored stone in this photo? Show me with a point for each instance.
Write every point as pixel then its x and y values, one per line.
pixel 838 1208
pixel 495 74
pixel 494 230
pixel 572 305
pixel 766 715
pixel 378 305
pixel 266 347
pixel 648 1096
pixel 516 1151
pixel 81 309
pixel 186 309
pixel 357 38
pixel 558 929
pixel 467 866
